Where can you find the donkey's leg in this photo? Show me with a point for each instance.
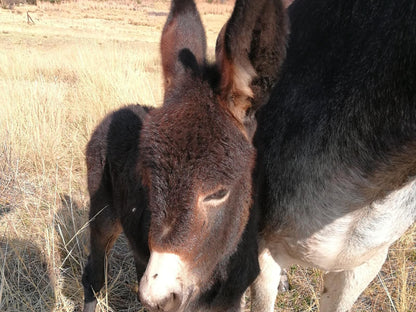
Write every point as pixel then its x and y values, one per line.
pixel 341 289
pixel 104 230
pixel 284 285
pixel 140 269
pixel 264 288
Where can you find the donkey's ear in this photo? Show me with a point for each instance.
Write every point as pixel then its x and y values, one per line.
pixel 250 49
pixel 183 43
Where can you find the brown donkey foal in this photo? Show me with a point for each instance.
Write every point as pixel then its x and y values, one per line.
pixel 182 164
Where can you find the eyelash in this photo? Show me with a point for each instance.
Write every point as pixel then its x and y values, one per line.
pixel 217 195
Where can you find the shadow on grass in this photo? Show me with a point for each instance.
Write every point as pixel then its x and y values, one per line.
pixel 25 277
pixel 5 208
pixel 119 294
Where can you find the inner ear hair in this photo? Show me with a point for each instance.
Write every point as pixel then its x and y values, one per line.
pixel 241 91
pixel 235 89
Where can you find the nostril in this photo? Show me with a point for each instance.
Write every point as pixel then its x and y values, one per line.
pixel 175 301
pixel 155 276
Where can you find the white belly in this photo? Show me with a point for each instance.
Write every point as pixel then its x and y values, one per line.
pixel 349 240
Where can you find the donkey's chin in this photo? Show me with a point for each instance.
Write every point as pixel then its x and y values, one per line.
pixel 188 301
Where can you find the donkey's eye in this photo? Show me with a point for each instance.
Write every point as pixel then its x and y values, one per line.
pixel 218 196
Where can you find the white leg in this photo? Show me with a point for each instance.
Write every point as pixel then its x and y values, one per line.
pixel 264 288
pixel 341 289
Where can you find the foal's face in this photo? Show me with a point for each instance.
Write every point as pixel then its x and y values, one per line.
pixel 197 166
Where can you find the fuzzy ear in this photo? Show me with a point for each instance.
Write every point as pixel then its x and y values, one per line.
pixel 250 49
pixel 183 42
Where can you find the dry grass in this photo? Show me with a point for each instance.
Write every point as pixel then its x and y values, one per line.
pixel 58 78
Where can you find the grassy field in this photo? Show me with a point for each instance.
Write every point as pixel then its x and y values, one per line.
pixel 58 77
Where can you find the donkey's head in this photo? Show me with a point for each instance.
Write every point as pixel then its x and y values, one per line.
pixel 197 154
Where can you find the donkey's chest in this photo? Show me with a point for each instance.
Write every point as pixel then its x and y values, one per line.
pixel 349 240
